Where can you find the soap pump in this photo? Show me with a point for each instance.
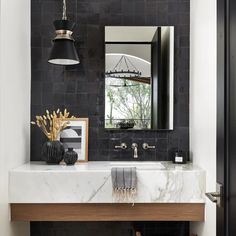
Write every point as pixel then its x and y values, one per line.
pixel 180 158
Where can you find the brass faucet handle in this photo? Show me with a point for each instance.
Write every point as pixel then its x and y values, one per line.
pixel 121 146
pixel 146 146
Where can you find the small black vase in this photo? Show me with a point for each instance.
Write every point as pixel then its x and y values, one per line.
pixel 70 157
pixel 53 152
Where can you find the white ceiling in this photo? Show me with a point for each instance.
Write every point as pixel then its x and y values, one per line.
pixel 129 33
pixel 142 51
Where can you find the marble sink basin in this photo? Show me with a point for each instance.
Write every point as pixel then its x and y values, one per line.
pixel 150 165
pixel 158 182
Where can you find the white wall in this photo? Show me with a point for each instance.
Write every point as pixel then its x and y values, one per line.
pixel 14 101
pixel 203 100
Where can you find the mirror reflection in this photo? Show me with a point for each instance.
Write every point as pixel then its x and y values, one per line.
pixel 139 77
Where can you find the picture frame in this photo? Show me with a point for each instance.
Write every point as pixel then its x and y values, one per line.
pixel 75 136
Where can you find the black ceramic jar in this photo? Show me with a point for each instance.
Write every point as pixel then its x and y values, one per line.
pixel 70 157
pixel 53 152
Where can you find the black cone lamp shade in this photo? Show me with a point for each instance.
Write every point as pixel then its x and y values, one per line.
pixel 63 50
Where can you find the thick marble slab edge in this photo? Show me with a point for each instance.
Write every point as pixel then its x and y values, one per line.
pixel 90 182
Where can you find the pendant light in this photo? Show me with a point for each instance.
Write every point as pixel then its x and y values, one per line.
pixel 63 51
pixel 124 69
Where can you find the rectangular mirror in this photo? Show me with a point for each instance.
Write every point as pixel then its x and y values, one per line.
pixel 139 77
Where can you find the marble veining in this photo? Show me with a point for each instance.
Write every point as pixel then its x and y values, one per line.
pixel 158 182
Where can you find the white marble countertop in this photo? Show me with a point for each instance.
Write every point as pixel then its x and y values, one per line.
pixel 158 182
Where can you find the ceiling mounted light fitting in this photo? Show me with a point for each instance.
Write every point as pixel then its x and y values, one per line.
pixel 63 51
pixel 124 69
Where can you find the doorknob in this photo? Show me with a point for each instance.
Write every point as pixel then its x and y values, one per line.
pixel 217 197
pixel 213 196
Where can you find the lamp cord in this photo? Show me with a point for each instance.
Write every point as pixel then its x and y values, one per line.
pixel 64 16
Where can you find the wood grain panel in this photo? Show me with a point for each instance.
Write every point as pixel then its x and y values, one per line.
pixel 108 212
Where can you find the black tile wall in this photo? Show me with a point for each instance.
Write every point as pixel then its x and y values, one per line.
pixel 80 88
pixel 109 228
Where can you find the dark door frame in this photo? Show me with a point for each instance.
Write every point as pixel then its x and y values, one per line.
pixel 226 107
